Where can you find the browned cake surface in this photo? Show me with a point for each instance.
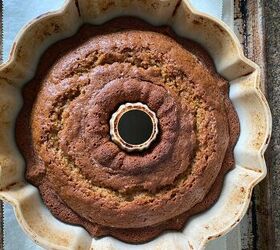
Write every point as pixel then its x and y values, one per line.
pixel 63 130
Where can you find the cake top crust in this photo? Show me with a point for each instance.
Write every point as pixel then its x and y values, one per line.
pixel 84 81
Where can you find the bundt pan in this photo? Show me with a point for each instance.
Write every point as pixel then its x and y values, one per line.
pixel 245 93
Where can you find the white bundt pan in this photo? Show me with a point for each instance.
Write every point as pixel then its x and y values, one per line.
pixel 225 49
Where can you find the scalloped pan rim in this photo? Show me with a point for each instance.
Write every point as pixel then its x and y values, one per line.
pixel 21 67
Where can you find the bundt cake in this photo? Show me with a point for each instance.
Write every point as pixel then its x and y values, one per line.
pixel 71 117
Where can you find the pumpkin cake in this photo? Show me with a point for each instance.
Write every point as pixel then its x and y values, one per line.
pixel 85 176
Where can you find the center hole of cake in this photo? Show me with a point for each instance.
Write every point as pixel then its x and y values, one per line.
pixel 135 127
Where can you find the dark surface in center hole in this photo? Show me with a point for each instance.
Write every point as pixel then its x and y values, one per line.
pixel 135 127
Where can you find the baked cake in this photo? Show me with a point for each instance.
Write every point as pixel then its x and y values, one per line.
pixel 85 177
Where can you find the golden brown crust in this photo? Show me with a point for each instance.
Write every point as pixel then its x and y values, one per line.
pixel 63 130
